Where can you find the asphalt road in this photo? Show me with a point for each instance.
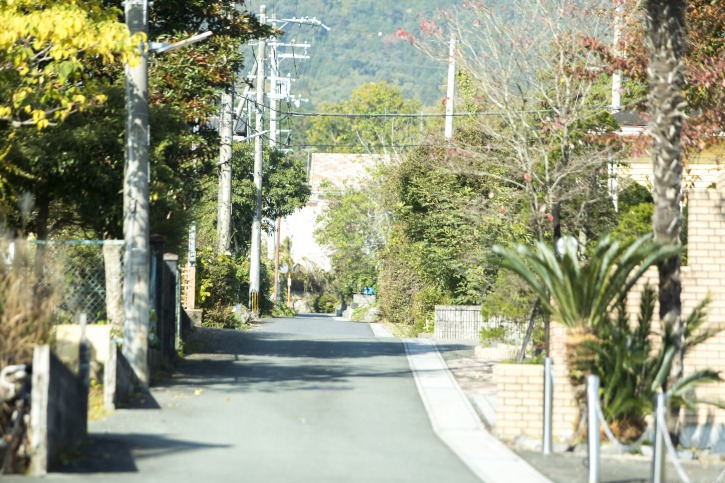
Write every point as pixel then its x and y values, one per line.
pixel 310 399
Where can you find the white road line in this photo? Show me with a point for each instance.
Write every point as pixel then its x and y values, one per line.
pixel 456 423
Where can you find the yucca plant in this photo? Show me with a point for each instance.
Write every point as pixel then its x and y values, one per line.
pixel 582 294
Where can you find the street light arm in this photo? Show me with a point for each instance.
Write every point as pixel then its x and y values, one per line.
pixel 161 47
pixel 304 21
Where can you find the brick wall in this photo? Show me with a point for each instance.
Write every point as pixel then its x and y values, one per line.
pixel 520 402
pixel 705 275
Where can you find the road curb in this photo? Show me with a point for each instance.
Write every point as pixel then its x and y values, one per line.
pixel 456 423
pixel 380 331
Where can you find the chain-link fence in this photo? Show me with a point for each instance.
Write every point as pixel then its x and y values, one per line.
pixel 89 276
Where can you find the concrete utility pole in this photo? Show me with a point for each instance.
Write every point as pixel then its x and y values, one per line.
pixel 613 165
pixel 617 76
pixel 274 93
pixel 136 201
pixel 254 271
pixel 224 206
pixel 451 88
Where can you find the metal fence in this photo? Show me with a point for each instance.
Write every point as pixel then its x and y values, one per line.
pixel 88 274
pixel 466 322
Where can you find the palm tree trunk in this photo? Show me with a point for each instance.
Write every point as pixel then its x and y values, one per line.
pixel 666 35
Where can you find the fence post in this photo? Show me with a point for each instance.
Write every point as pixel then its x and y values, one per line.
pixel 593 428
pixel 658 448
pixel 548 400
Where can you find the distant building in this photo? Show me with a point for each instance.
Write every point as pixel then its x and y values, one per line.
pixel 333 170
pixel 700 172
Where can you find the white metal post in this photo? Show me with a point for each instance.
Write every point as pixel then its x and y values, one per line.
pixel 593 428
pixel 548 400
pixel 659 450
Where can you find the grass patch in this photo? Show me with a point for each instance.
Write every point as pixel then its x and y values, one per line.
pixel 96 407
pixel 399 331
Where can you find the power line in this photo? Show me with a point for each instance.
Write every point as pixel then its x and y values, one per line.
pixel 405 115
pixel 399 114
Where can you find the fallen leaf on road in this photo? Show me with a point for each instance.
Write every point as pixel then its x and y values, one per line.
pixel 229 399
pixel 198 392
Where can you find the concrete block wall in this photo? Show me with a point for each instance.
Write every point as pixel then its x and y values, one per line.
pixel 59 410
pixel 520 402
pixel 67 338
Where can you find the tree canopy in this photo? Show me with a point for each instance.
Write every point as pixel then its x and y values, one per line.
pixel 48 51
pixel 346 132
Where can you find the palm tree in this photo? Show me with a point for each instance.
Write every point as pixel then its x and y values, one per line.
pixel 666 45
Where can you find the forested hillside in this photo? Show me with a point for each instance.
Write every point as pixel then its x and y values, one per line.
pixel 360 47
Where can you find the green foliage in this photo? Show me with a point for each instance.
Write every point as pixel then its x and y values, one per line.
pixel 191 78
pixel 589 298
pixel 363 46
pixel 282 311
pixel 75 172
pixel 632 370
pixel 325 304
pixel 353 229
pixel 490 336
pixel 510 298
pixel 284 191
pixel 222 282
pixel 362 134
pixel 634 223
pixel 360 313
pixel 582 294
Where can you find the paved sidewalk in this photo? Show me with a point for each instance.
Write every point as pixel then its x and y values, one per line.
pixel 455 421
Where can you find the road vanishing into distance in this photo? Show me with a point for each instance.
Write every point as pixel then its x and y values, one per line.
pixel 309 399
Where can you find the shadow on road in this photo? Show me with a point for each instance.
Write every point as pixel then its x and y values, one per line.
pixel 276 361
pixel 118 453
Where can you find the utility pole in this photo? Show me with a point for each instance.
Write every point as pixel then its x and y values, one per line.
pixel 273 93
pixel 224 206
pixel 451 88
pixel 617 76
pixel 254 272
pixel 276 260
pixel 613 165
pixel 136 202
